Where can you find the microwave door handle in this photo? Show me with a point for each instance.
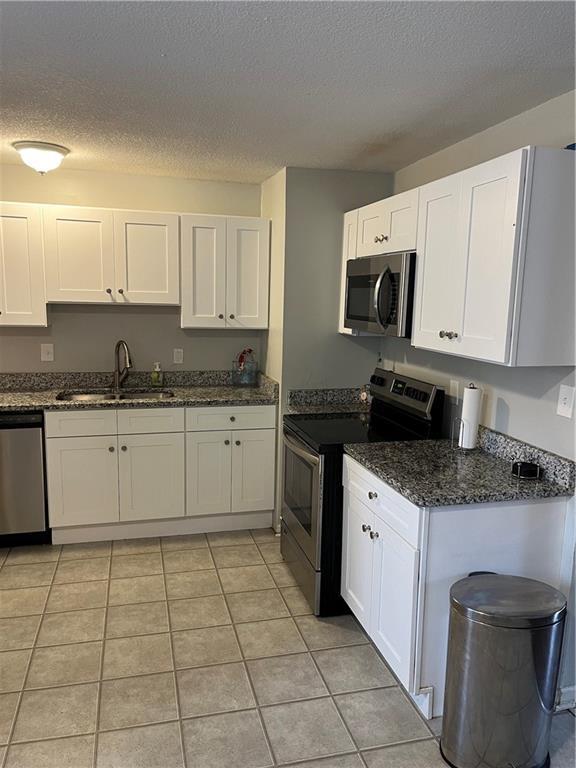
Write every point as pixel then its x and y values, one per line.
pixel 382 278
pixel 299 451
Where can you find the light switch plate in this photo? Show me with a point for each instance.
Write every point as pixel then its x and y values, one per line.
pixel 178 356
pixel 565 401
pixel 47 353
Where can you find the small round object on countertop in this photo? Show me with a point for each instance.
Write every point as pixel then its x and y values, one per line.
pixel 507 601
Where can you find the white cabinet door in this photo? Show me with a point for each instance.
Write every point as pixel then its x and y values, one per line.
pixel 394 600
pixel 388 225
pixel 247 273
pixel 490 207
pixel 151 476
pixel 349 236
pixel 22 293
pixel 253 463
pixel 440 265
pixel 203 271
pixel 208 472
pixel 82 477
pixel 79 254
pixel 146 252
pixel 357 555
pixel 371 229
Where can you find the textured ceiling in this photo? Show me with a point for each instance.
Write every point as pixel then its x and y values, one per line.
pixel 236 90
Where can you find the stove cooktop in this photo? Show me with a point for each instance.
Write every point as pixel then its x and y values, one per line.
pixel 329 432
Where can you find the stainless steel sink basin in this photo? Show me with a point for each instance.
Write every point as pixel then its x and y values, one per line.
pixel 107 396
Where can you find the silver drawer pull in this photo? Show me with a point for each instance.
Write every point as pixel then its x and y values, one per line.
pixel 365 528
pixel 111 449
pixel 226 442
pixel 441 334
pixel 372 495
pixel 374 534
pixel 124 448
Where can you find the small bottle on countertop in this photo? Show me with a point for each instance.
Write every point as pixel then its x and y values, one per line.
pixel 157 375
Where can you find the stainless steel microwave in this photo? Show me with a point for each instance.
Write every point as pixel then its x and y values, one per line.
pixel 380 294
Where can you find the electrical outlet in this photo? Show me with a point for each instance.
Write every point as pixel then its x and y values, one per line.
pixel 565 401
pixel 178 356
pixel 47 353
pixel 454 388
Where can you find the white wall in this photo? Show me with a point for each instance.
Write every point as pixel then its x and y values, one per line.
pixel 315 355
pixel 84 336
pixel 522 401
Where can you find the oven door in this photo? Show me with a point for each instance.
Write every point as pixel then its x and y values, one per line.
pixel 302 503
pixel 377 289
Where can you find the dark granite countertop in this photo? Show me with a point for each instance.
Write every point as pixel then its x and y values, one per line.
pixel 430 473
pixel 198 396
pixel 328 408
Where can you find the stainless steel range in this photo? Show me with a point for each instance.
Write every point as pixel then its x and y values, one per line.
pixel 402 409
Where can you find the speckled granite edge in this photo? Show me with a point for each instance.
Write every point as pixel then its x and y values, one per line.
pixel 35 382
pixel 305 397
pixel 556 469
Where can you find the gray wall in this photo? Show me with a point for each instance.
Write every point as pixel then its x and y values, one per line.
pixel 315 355
pixel 84 339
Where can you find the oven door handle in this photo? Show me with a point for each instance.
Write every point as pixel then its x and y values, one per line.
pixel 311 458
pixel 377 291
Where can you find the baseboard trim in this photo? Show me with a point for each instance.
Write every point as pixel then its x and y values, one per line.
pixel 169 527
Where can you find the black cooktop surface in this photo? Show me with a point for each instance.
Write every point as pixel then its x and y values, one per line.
pixel 329 432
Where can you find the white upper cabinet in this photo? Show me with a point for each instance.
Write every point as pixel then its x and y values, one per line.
pixel 146 257
pixel 247 272
pixel 495 254
pixel 388 225
pixel 22 293
pixel 349 235
pixel 225 272
pixel 79 254
pixel 203 240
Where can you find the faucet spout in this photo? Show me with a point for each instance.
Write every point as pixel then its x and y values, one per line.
pixel 120 374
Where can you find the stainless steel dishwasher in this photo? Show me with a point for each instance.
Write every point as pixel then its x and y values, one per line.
pixel 22 487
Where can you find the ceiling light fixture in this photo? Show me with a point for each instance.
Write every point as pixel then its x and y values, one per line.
pixel 40 155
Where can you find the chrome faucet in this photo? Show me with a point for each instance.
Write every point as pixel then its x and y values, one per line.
pixel 120 375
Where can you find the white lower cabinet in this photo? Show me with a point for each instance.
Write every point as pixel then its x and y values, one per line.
pixel 379 583
pixel 208 472
pixel 151 476
pixel 230 471
pixel 82 480
pixel 253 463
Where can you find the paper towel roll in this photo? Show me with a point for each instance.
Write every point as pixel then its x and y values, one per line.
pixel 471 404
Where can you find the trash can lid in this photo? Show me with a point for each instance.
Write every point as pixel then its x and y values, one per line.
pixel 508 601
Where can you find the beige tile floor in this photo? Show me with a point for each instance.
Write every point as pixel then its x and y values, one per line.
pixel 193 652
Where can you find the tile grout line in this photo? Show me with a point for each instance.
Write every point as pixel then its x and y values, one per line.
pixel 29 664
pixel 244 664
pixel 101 669
pixel 174 675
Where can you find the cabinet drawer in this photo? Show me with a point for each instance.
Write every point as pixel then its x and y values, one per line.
pixel 239 417
pixel 80 423
pixel 139 421
pixel 388 505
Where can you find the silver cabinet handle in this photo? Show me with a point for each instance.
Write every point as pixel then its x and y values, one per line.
pixel 232 418
pixel 108 290
pixel 111 449
pixel 121 291
pixel 372 495
pixel 226 442
pixel 376 239
pixel 237 442
pixel 365 528
pixel 374 534
pixel 220 317
pixel 452 335
pixel 124 448
pixel 385 237
pixel 232 317
pixel 442 334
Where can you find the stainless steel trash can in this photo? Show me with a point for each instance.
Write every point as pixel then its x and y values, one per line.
pixel 503 658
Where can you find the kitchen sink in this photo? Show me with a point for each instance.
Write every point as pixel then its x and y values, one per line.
pixel 107 396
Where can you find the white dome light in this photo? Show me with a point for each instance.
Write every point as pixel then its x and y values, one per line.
pixel 39 155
